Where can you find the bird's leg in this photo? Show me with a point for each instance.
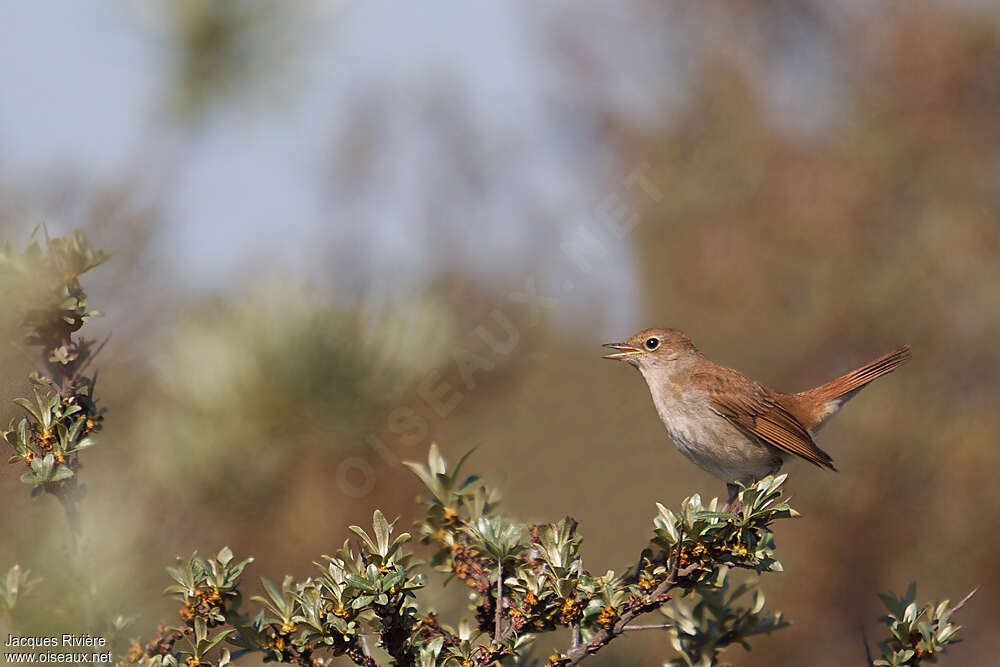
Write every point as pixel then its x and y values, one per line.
pixel 732 504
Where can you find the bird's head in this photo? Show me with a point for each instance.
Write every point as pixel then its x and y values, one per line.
pixel 653 348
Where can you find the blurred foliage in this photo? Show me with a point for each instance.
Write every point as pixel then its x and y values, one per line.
pixel 700 630
pixel 277 366
pixel 43 283
pixel 917 634
pixel 16 585
pixel 226 49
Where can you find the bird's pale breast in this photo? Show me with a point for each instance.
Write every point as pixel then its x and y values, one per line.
pixel 709 440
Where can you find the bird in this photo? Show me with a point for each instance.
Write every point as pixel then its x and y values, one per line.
pixel 730 425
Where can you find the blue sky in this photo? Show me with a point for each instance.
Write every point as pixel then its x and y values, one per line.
pixel 478 127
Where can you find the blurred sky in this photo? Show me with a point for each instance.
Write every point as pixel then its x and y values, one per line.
pixel 392 135
pixel 83 82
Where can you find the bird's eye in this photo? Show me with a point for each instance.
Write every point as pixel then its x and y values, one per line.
pixel 652 343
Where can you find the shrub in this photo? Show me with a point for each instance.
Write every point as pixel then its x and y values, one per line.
pixel 363 602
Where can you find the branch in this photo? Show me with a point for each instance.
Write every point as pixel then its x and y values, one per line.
pixel 962 602
pixel 575 630
pixel 86 362
pixel 657 626
pixel 653 601
pixel 498 612
pixel 394 635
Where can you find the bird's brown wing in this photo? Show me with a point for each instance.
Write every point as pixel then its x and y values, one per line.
pixel 756 411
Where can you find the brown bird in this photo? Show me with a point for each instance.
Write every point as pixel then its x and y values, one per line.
pixel 728 424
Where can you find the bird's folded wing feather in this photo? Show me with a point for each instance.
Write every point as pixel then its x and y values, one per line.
pixel 756 411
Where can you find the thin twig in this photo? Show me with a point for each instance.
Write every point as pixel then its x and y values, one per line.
pixel 656 626
pixel 868 651
pixel 961 603
pixel 90 358
pixel 677 554
pixel 575 634
pixel 92 385
pixel 498 619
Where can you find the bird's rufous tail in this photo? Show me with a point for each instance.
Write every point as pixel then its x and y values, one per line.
pixel 827 398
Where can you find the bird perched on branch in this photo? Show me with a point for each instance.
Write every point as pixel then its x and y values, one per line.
pixel 728 424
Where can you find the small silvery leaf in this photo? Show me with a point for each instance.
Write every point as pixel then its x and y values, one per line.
pixel 61 473
pixel 382 530
pixel 224 556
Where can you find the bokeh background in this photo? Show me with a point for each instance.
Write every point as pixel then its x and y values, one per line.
pixel 342 231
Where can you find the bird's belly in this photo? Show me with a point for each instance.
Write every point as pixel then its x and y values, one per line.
pixel 719 448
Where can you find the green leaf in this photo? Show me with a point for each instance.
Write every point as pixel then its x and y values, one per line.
pixel 458 466
pixel 13 579
pixel 891 604
pixel 26 404
pixel 224 556
pixel 359 583
pixel 200 629
pixel 43 466
pixel 272 592
pixel 88 441
pixel 436 463
pixel 382 530
pixel 910 614
pixel 359 531
pixel 400 540
pixel 207 645
pixel 427 478
pixel 61 473
pixel 363 601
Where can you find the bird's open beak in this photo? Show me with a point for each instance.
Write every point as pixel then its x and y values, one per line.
pixel 626 351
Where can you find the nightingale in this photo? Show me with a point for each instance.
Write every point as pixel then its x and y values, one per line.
pixel 728 424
